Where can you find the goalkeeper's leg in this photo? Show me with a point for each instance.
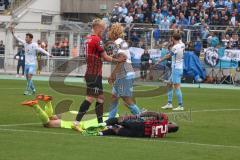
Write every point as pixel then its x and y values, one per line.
pixel 39 111
pixel 48 108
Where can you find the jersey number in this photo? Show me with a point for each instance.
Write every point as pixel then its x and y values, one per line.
pixel 159 130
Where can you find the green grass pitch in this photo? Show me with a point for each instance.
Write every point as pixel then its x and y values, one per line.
pixel 212 132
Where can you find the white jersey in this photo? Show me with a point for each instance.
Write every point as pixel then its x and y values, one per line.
pixel 31 51
pixel 122 47
pixel 177 55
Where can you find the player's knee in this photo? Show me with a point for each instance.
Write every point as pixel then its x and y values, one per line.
pixel 114 98
pixel 90 99
pixel 176 86
pixel 100 99
pixel 128 101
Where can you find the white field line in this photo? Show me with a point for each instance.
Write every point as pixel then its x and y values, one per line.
pixel 125 138
pixel 11 88
pixel 21 124
pixel 206 110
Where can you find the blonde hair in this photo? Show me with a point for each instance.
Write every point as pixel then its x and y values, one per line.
pixel 116 31
pixel 97 22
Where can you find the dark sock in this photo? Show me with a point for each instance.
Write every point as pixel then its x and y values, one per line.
pixel 111 121
pixel 83 109
pixel 99 111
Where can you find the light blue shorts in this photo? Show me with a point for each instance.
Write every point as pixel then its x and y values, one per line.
pixel 30 69
pixel 176 76
pixel 123 87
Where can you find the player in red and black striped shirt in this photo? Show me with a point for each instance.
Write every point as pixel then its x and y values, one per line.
pixel 146 124
pixel 94 49
pixel 94 54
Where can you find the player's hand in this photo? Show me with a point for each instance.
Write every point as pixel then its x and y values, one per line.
pixel 11 29
pixel 122 59
pixel 159 61
pixel 110 81
pixel 118 60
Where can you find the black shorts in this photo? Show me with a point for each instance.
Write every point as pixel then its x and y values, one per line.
pixel 94 85
pixel 132 129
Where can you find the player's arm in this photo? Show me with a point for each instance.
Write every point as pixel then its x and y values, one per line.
pixel 167 56
pixel 104 55
pixel 43 51
pixel 17 38
pixel 110 59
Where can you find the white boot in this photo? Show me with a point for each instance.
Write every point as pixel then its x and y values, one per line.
pixel 168 106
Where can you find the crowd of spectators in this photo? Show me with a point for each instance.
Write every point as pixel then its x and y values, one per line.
pixel 181 12
pixel 199 15
pixel 4 4
pixel 61 48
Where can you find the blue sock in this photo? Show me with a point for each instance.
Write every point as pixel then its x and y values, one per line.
pixel 113 110
pixel 31 85
pixel 28 85
pixel 179 96
pixel 134 109
pixel 170 95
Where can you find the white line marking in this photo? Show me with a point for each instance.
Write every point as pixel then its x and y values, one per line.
pixel 178 142
pixel 125 138
pixel 41 132
pixel 12 88
pixel 22 124
pixel 207 110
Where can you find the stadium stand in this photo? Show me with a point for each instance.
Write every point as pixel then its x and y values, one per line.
pixel 2 5
pixel 201 17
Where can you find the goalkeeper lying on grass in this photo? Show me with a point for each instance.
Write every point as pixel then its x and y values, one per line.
pixel 88 127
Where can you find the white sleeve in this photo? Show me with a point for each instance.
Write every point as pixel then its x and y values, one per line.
pixel 173 51
pixel 124 45
pixel 19 39
pixel 43 51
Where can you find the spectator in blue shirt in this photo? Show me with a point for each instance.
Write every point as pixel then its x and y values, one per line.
pixel 135 38
pixel 158 17
pixel 170 17
pixel 220 4
pixel 140 15
pixel 229 5
pixel 182 21
pixel 238 7
pixel 165 11
pixel 165 24
pixel 124 10
pixel 191 17
pixel 156 34
pixel 198 46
